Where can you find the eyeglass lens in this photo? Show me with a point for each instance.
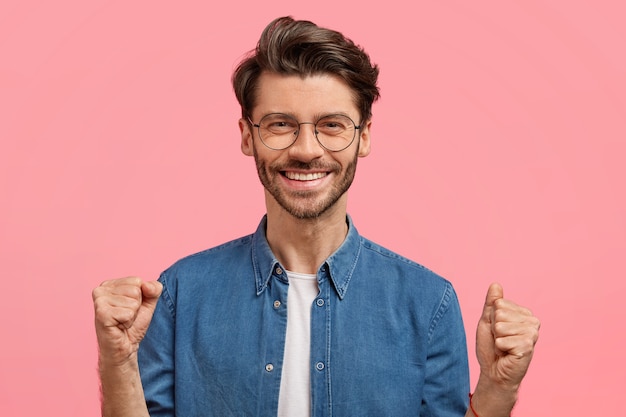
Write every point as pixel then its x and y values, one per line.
pixel 334 132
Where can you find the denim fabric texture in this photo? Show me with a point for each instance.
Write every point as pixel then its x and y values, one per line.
pixel 387 338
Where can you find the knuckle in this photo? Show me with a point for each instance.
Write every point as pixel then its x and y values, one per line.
pixel 529 346
pixel 500 343
pixel 499 328
pixel 499 303
pixel 135 304
pixel 126 316
pixel 103 313
pixel 135 293
pixel 499 315
pixel 100 306
pixel 96 293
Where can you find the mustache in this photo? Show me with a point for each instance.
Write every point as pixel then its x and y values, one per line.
pixel 306 166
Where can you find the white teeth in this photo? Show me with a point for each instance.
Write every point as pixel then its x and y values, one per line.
pixel 299 176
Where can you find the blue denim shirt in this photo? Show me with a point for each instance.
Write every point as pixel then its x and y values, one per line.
pixel 387 338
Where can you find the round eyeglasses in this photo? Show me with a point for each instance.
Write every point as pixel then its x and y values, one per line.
pixel 334 132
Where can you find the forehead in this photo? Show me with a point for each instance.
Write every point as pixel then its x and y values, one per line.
pixel 304 96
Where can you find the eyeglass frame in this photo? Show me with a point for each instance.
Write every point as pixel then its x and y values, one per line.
pixel 315 132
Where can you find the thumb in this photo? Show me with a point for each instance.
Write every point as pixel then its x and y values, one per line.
pixel 485 342
pixel 495 292
pixel 150 293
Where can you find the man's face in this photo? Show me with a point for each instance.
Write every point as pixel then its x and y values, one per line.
pixel 305 179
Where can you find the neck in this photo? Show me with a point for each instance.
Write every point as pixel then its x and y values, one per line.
pixel 302 245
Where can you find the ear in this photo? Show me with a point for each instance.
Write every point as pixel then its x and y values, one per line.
pixel 364 138
pixel 247 145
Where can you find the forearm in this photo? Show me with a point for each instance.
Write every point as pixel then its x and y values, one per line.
pixel 121 389
pixel 490 400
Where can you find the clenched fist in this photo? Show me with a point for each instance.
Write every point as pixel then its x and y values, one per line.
pixel 505 338
pixel 123 311
pixel 505 343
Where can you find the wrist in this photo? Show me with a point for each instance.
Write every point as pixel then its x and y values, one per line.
pixel 493 399
pixel 111 363
pixel 121 389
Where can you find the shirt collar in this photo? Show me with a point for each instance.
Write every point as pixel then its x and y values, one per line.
pixel 339 266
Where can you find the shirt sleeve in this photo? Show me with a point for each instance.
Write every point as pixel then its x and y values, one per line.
pixel 156 357
pixel 446 385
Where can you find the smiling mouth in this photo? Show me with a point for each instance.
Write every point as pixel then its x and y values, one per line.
pixel 301 176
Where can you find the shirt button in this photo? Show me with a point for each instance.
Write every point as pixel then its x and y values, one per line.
pixel 319 302
pixel 276 304
pixel 319 366
pixel 269 367
pixel 279 271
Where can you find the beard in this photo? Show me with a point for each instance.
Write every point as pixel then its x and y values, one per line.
pixel 306 204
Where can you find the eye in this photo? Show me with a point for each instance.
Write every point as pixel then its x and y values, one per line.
pixel 334 125
pixel 279 123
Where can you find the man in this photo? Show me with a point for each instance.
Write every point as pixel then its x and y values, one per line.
pixel 305 316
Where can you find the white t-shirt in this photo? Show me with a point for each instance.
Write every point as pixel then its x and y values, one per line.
pixel 295 384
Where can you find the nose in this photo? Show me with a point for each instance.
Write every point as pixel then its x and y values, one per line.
pixel 306 147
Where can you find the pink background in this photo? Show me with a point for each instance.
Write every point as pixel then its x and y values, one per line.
pixel 498 154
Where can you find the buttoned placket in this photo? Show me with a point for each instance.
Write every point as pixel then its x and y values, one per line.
pixel 276 298
pixel 320 346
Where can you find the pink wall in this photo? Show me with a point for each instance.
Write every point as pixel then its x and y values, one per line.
pixel 498 154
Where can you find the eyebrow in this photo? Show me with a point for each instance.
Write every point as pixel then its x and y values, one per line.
pixel 316 116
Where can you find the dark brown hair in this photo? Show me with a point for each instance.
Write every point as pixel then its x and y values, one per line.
pixel 299 47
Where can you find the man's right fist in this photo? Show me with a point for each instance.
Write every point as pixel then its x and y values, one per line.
pixel 123 311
